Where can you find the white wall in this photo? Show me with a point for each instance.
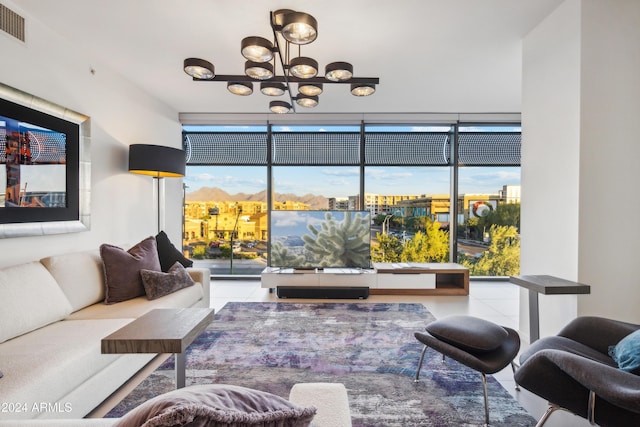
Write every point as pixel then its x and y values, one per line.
pixel 122 204
pixel 580 97
pixel 609 125
pixel 550 159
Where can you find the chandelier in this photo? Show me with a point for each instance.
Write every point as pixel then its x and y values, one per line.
pixel 290 28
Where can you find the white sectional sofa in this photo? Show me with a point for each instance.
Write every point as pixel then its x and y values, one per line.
pixel 52 320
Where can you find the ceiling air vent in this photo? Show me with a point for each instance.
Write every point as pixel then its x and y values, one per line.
pixel 11 23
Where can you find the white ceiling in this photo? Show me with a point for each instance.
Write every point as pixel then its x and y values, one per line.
pixel 430 55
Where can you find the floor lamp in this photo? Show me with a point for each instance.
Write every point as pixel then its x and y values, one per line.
pixel 159 162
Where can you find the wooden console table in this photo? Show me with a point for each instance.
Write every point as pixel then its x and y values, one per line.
pixel 163 330
pixel 420 278
pixel 383 279
pixel 546 285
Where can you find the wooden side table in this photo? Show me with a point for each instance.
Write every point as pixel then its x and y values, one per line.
pixel 161 331
pixel 546 285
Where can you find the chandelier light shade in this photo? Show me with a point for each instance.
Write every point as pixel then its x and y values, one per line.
pixel 199 68
pixel 257 49
pixel 279 107
pixel 307 101
pixel 240 88
pixel 299 28
pixel 272 88
pixel 303 67
pixel 258 70
pixel 338 71
pixel 265 58
pixel 278 16
pixel 361 89
pixel 310 89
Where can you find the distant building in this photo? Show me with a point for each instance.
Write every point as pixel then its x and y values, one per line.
pixel 384 203
pixel 339 203
pixel 510 194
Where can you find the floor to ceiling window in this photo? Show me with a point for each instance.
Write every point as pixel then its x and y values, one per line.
pixel 488 234
pixel 434 193
pixel 225 198
pixel 407 184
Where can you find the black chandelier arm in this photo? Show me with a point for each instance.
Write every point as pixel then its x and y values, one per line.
pixel 289 79
pixel 278 51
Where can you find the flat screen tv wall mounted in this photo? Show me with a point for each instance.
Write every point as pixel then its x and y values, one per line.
pixel 44 166
pixel 320 239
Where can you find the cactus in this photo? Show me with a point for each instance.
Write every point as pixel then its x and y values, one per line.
pixel 339 243
pixel 281 256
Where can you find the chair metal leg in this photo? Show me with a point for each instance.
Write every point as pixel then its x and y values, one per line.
pixel 591 415
pixel 513 369
pixel 550 410
pixel 486 399
pixel 417 378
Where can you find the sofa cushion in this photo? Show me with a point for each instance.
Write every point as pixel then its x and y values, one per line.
pixel 48 363
pixel 30 299
pixel 468 333
pixel 158 284
pixel 136 307
pixel 80 276
pixel 169 254
pixel 627 353
pixel 122 269
pixel 218 405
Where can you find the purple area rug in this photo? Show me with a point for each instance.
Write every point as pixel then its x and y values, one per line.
pixel 370 348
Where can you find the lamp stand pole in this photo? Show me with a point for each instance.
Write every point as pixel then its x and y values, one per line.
pixel 160 202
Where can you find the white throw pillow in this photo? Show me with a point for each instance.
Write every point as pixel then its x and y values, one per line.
pixel 79 275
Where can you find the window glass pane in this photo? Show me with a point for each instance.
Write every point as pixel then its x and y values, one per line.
pixel 307 190
pixel 225 218
pixel 410 207
pixel 489 199
pixel 489 220
pixel 407 173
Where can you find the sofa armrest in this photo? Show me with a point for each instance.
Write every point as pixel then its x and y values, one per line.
pixel 597 332
pixel 202 276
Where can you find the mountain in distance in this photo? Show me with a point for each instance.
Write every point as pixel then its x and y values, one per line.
pixel 219 195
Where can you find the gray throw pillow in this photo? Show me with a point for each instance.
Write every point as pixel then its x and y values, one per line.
pixel 218 405
pixel 158 284
pixel 122 269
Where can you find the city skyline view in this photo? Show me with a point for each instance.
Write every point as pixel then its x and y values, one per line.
pixel 330 181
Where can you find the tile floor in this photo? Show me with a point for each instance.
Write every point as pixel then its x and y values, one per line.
pixel 494 301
